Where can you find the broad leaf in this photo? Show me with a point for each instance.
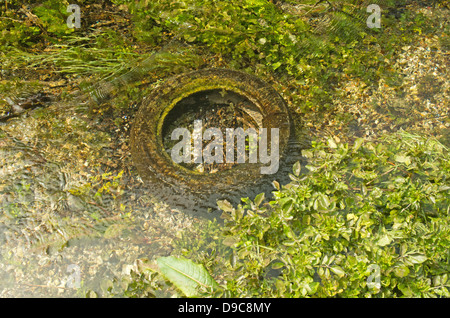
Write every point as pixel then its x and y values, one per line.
pixel 186 275
pixel 401 271
pixel 297 168
pixel 403 159
pixel 416 258
pixel 338 271
pixel 384 240
pixel 331 143
pixel 224 205
pixel 259 198
pixel 357 144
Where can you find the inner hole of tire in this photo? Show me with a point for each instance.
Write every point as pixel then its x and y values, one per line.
pixel 215 108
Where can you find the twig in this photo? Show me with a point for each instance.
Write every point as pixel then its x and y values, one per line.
pixel 12 19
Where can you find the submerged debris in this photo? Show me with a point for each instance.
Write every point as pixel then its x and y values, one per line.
pixel 75 218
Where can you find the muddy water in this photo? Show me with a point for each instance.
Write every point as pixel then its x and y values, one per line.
pixel 75 215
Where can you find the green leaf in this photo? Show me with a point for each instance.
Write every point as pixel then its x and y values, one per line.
pixel 324 201
pixel 297 168
pixel 276 185
pixel 259 198
pixel 401 271
pixel 337 270
pixel 186 275
pixel 331 143
pixel 357 144
pixel 224 205
pixel 277 265
pixel 417 258
pixel 276 65
pixel 405 289
pixel 444 278
pixel 403 159
pixel 384 240
pixel 287 205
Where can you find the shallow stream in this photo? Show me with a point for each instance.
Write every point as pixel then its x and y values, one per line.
pixel 76 215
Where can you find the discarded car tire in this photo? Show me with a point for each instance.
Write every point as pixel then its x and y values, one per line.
pixel 153 163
